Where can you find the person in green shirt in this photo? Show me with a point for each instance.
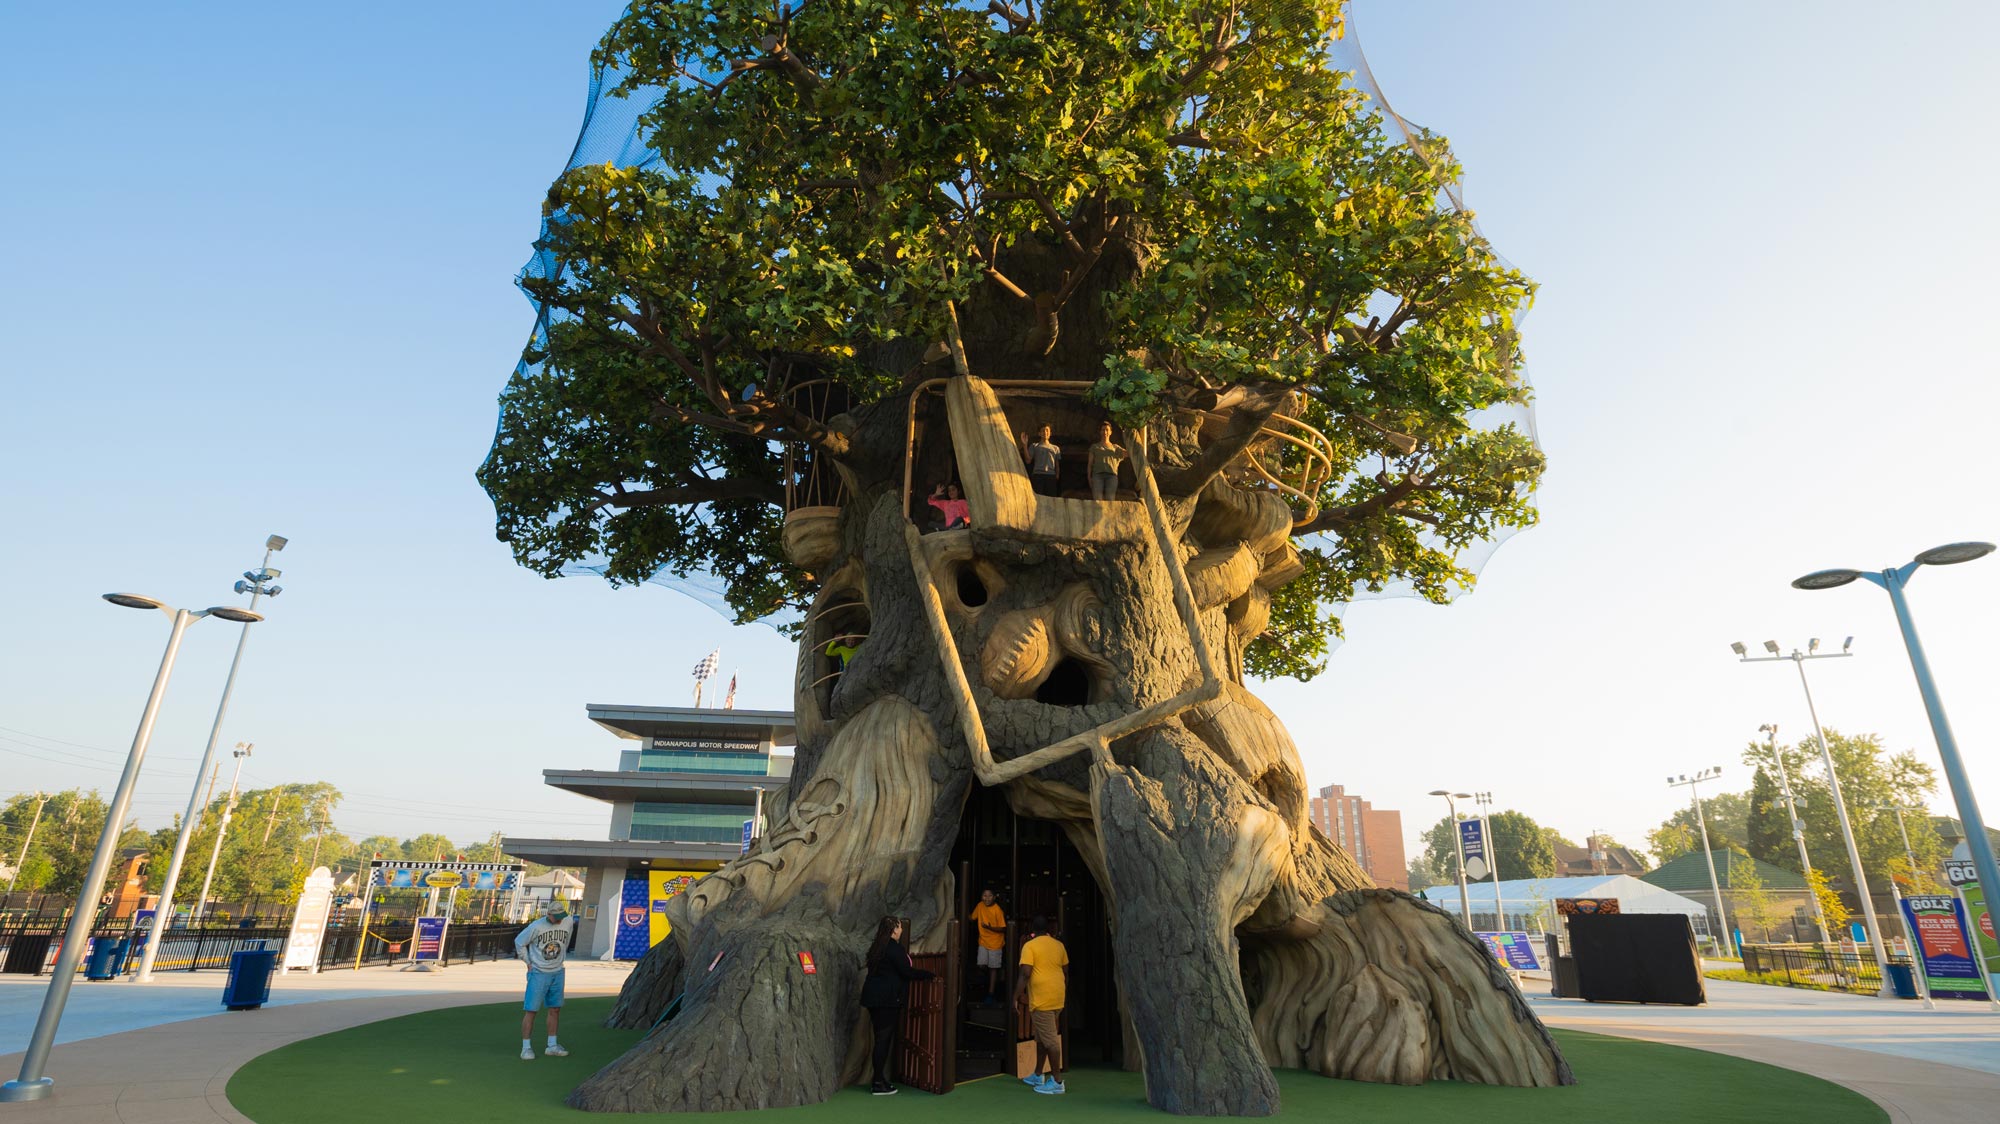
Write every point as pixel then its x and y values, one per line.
pixel 1105 457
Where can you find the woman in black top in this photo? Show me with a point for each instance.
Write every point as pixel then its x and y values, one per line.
pixel 889 976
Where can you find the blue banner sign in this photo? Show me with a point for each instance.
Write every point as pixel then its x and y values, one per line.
pixel 427 943
pixel 749 826
pixel 1472 841
pixel 1514 951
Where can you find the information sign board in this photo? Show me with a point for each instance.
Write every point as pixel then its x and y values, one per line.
pixel 427 944
pixel 1938 920
pixel 1514 951
pixel 309 922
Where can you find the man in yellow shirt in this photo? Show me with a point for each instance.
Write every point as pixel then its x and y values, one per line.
pixel 1043 988
pixel 990 922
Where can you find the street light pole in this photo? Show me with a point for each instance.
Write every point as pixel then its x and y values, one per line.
pixel 41 801
pixel 1458 848
pixel 1798 658
pixel 258 583
pixel 1693 783
pixel 1916 954
pixel 1893 580
pixel 1798 832
pixel 241 751
pixel 33 1084
pixel 1485 801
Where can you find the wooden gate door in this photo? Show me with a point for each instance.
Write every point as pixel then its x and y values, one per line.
pixel 929 1055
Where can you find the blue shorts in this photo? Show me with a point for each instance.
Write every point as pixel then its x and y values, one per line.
pixel 544 990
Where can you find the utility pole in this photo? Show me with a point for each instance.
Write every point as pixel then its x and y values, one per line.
pixel 41 801
pixel 1798 832
pixel 271 821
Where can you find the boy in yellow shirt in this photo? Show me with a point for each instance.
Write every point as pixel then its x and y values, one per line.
pixel 1044 988
pixel 990 922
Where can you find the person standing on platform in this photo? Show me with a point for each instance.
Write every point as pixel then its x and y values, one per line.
pixel 1044 459
pixel 543 944
pixel 992 928
pixel 883 992
pixel 1105 457
pixel 1043 988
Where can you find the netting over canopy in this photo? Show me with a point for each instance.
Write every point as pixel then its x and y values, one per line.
pixel 612 133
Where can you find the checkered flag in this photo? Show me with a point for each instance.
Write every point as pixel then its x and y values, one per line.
pixel 707 666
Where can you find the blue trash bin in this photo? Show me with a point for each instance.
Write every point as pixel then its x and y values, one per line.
pixel 249 979
pixel 102 963
pixel 1902 981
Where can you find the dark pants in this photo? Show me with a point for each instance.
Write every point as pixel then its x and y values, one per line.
pixel 1044 483
pixel 885 1020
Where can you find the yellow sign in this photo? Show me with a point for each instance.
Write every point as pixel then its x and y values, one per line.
pixel 443 879
pixel 660 886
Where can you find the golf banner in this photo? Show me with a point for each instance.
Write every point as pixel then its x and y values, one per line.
pixel 1979 922
pixel 1946 954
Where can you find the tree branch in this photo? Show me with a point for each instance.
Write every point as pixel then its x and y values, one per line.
pixel 1253 406
pixel 1335 518
pixel 693 492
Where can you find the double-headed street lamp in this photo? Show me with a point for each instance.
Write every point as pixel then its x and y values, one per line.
pixel 1451 801
pixel 32 1085
pixel 1798 831
pixel 1693 785
pixel 1893 580
pixel 1798 658
pixel 260 582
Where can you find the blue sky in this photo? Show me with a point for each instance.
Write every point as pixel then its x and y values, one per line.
pixel 262 283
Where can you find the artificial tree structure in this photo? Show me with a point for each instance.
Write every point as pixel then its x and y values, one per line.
pixel 869 246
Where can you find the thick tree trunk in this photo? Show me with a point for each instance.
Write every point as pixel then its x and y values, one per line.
pixel 1244 938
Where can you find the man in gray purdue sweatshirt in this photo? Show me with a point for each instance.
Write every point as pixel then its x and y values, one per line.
pixel 543 944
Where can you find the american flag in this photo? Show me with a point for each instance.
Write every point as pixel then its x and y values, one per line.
pixel 729 703
pixel 707 666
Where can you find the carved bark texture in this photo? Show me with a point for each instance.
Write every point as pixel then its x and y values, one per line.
pixel 1244 938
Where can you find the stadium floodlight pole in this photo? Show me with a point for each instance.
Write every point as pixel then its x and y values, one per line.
pixel 1798 832
pixel 1458 848
pixel 41 801
pixel 33 1084
pixel 1916 953
pixel 200 906
pixel 1485 802
pixel 1893 580
pixel 1798 659
pixel 258 583
pixel 1693 783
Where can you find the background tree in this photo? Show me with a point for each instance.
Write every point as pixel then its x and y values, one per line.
pixel 59 857
pixel 1671 840
pixel 1768 833
pixel 1520 845
pixel 1181 205
pixel 1830 902
pixel 1873 781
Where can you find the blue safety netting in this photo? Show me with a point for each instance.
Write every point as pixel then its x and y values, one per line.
pixel 612 134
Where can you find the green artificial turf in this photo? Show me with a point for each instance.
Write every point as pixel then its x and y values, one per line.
pixel 463 1064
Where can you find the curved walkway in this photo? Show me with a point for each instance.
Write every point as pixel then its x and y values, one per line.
pixel 176 1072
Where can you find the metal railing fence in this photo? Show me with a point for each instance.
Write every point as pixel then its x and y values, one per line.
pixel 1835 968
pixel 31 949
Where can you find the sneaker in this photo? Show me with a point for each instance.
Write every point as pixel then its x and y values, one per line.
pixel 556 1052
pixel 1051 1086
pixel 1036 1081
pixel 883 1090
pixel 527 1053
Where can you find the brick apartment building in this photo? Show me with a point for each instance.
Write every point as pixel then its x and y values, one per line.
pixel 1373 836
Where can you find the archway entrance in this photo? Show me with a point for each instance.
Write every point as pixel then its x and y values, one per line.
pixel 1033 870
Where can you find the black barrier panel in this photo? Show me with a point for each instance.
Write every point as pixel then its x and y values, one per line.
pixel 1636 958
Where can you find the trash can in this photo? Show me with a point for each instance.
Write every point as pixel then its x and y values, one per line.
pixel 1902 981
pixel 102 963
pixel 249 979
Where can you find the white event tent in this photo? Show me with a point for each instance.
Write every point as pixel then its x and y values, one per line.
pixel 1529 903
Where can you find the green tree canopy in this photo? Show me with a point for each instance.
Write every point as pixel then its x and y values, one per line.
pixel 1181 203
pixel 1874 782
pixel 1520 846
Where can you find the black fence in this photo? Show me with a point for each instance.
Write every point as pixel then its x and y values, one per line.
pixel 32 949
pixel 1816 966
